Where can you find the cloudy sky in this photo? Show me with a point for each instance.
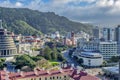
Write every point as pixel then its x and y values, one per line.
pixel 98 12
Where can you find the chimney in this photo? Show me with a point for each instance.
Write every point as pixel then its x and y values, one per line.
pixel 5 69
pixel 61 70
pixel 62 65
pixel 78 71
pixel 71 68
pixel 22 74
pixel 36 72
pixel 48 71
pixel 65 65
pixel 72 65
pixel 18 70
pixel 6 73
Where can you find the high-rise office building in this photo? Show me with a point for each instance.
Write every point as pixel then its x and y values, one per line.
pixel 117 37
pixel 96 32
pixel 108 34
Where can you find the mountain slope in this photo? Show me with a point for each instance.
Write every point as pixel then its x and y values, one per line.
pixel 17 19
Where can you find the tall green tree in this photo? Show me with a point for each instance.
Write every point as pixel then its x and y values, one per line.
pixel 2 63
pixel 80 61
pixel 47 53
pixel 54 54
pixel 24 60
pixel 60 57
pixel 114 58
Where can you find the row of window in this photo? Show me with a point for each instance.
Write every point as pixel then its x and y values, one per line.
pixel 7 52
pixel 51 78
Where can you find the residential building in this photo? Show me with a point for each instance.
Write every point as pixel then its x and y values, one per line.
pixel 108 49
pixel 24 47
pixel 70 39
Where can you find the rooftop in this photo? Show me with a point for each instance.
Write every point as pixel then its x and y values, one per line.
pixel 114 69
pixel 39 72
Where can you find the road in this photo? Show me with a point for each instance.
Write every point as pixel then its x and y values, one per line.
pixel 10 67
pixel 69 60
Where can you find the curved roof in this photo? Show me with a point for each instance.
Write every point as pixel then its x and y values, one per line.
pixel 91 54
pixel 6 41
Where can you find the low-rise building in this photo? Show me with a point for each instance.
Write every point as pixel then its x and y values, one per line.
pixel 39 74
pixel 91 59
pixel 24 47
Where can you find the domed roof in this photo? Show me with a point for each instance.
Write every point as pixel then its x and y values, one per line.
pixel 7 45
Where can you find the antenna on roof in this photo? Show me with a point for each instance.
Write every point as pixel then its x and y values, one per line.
pixel 1 24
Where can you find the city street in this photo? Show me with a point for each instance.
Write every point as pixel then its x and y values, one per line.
pixel 69 60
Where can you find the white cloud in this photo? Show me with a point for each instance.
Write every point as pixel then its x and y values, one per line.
pixel 6 3
pixel 18 4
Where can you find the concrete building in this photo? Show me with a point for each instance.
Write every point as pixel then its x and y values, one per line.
pixel 117 37
pixel 88 45
pixel 7 46
pixel 70 39
pixel 108 34
pixel 113 72
pixel 117 33
pixel 96 33
pixel 108 49
pixel 91 59
pixel 24 48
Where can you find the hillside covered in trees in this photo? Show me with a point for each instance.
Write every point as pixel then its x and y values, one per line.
pixel 26 21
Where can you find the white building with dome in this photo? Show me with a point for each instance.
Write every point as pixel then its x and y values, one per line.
pixel 91 58
pixel 7 45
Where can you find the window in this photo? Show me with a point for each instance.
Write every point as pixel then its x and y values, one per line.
pixel 60 77
pixel 39 78
pixel 45 78
pixel 57 77
pixel 64 76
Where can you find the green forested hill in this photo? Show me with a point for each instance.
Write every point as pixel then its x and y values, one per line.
pixel 26 21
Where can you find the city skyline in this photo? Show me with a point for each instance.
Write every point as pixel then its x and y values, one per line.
pixel 101 12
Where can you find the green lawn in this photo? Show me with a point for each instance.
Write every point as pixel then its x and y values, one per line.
pixel 54 63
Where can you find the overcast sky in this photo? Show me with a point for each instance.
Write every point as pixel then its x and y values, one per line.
pixel 99 12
